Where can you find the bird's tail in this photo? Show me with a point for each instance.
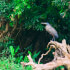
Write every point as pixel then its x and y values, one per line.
pixel 56 36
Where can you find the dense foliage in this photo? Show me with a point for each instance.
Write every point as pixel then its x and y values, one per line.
pixel 25 31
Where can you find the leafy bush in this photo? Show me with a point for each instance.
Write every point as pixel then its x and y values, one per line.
pixel 27 60
pixel 9 64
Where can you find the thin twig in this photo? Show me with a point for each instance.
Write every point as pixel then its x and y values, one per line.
pixel 44 55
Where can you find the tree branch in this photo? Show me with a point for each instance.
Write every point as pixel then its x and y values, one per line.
pixel 61 57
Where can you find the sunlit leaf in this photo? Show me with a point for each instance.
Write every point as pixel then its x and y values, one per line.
pixel 26 59
pixel 17 49
pixel 29 53
pixel 12 51
pixel 28 6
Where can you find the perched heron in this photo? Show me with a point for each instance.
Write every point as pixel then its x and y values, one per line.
pixel 50 30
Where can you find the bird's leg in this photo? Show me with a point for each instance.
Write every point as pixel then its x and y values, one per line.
pixel 53 39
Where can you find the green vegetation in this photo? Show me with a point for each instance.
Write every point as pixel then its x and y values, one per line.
pixel 8 64
pixel 21 32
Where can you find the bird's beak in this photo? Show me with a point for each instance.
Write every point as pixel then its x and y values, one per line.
pixel 43 23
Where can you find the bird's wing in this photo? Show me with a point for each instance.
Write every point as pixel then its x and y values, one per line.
pixel 51 30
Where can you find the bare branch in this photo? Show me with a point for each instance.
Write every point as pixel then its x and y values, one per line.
pixel 61 57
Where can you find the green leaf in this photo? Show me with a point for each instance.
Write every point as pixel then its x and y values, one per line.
pixel 11 24
pixel 12 51
pixel 28 68
pixel 17 49
pixel 62 67
pixel 36 54
pixel 25 3
pixel 26 59
pixel 29 53
pixel 19 13
pixel 26 0
pixel 17 7
pixel 67 4
pixel 19 59
pixel 28 6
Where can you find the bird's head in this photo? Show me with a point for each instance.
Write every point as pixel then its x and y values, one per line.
pixel 45 23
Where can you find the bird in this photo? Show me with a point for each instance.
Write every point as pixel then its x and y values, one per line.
pixel 52 31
